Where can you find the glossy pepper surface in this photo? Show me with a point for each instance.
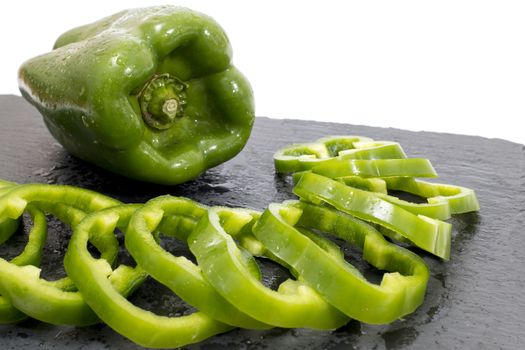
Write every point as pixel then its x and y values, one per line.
pixel 148 93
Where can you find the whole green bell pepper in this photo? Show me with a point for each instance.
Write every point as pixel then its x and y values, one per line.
pixel 147 93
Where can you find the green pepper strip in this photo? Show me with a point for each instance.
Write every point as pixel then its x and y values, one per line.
pixel 374 150
pixel 340 167
pixel 31 255
pixel 102 290
pixel 341 284
pixel 371 184
pixel 55 302
pixel 429 234
pixel 8 226
pixel 293 305
pixel 177 217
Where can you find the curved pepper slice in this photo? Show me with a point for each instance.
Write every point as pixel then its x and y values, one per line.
pixel 57 301
pixel 442 199
pixel 8 226
pixel 300 157
pixel 31 255
pixel 459 199
pixel 429 234
pixel 102 289
pixel 401 290
pixel 340 167
pixel 147 93
pixel 177 217
pixel 293 305
pixel 374 150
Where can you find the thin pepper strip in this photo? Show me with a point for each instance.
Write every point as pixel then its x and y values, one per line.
pixel 55 302
pixel 429 234
pixel 293 305
pixel 338 167
pixel 101 289
pixel 401 290
pixel 8 226
pixel 177 217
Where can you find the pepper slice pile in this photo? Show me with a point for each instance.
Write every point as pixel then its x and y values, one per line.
pixel 324 290
pixel 359 187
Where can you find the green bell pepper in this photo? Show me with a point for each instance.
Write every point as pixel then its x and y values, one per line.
pixel 147 93
pixel 104 290
pixel 401 290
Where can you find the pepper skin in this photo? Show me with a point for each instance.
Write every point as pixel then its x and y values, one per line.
pixel 147 93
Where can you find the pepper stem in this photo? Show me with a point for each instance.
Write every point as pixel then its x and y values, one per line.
pixel 170 107
pixel 162 101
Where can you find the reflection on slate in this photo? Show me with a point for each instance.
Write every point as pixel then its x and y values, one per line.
pixel 474 300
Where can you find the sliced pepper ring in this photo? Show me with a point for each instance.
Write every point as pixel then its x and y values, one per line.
pixel 177 217
pixel 55 302
pixel 374 150
pixel 293 305
pixel 401 290
pixel 304 156
pixel 31 255
pixel 442 199
pixel 429 234
pixel 8 226
pixel 459 199
pixel 104 290
pixel 341 167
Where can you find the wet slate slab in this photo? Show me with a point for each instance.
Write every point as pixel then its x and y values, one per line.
pixel 474 301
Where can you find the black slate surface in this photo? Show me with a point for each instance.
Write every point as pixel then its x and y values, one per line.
pixel 474 301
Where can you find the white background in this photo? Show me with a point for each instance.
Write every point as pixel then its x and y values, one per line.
pixel 448 66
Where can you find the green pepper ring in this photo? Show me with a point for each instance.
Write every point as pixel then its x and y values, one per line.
pixel 170 215
pixel 31 255
pixel 103 295
pixel 340 167
pixel 54 302
pixel 8 226
pixel 293 305
pixel 340 283
pixel 429 234
pixel 301 157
